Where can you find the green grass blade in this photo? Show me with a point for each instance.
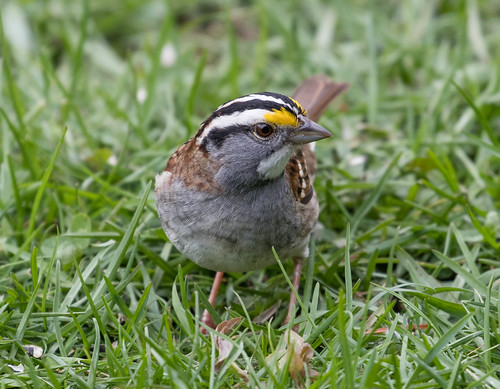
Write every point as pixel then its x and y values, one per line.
pixel 27 313
pixel 480 116
pixel 124 244
pixel 468 277
pixel 445 338
pixel 373 197
pixel 185 321
pixel 95 356
pixel 344 342
pixel 348 275
pixel 43 185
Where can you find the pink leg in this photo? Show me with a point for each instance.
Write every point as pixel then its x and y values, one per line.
pixel 297 269
pixel 206 318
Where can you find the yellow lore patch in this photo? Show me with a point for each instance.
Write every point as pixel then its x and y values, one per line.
pixel 281 117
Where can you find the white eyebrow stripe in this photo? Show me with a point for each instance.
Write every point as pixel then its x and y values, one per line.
pixel 255 96
pixel 245 118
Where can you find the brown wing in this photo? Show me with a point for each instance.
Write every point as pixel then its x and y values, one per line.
pixel 314 94
pixel 191 164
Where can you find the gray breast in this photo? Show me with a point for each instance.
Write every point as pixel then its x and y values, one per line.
pixel 236 232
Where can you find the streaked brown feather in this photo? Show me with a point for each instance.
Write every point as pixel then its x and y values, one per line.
pixel 298 177
pixel 193 165
pixel 314 94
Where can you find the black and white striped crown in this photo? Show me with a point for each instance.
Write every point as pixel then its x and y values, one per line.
pixel 248 110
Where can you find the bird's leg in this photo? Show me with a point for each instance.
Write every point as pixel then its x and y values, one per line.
pixel 206 318
pixel 297 269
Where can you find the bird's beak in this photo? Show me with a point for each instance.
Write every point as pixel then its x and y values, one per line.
pixel 308 132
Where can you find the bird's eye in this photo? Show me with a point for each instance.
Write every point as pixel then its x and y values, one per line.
pixel 263 130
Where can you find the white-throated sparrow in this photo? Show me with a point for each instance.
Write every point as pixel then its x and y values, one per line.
pixel 243 184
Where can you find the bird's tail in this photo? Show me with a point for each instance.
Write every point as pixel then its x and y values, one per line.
pixel 315 93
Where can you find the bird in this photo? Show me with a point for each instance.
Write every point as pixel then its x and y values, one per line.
pixel 243 184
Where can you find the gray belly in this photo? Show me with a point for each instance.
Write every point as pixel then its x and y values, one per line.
pixel 237 233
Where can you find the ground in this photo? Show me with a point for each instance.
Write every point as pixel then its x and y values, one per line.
pixel 402 285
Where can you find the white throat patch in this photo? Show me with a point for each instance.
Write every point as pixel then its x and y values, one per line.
pixel 274 165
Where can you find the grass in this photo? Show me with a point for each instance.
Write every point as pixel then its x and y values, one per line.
pixel 402 286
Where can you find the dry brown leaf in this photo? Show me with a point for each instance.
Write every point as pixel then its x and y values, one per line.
pixel 385 330
pixel 227 326
pixel 267 314
pixel 299 353
pixel 242 373
pixel 222 345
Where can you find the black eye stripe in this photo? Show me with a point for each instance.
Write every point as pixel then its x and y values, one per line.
pixel 217 136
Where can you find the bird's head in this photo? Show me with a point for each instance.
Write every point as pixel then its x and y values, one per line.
pixel 254 136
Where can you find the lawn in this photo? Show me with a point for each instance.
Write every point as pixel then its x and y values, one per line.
pixel 401 289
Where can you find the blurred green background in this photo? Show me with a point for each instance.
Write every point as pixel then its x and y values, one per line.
pixel 96 95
